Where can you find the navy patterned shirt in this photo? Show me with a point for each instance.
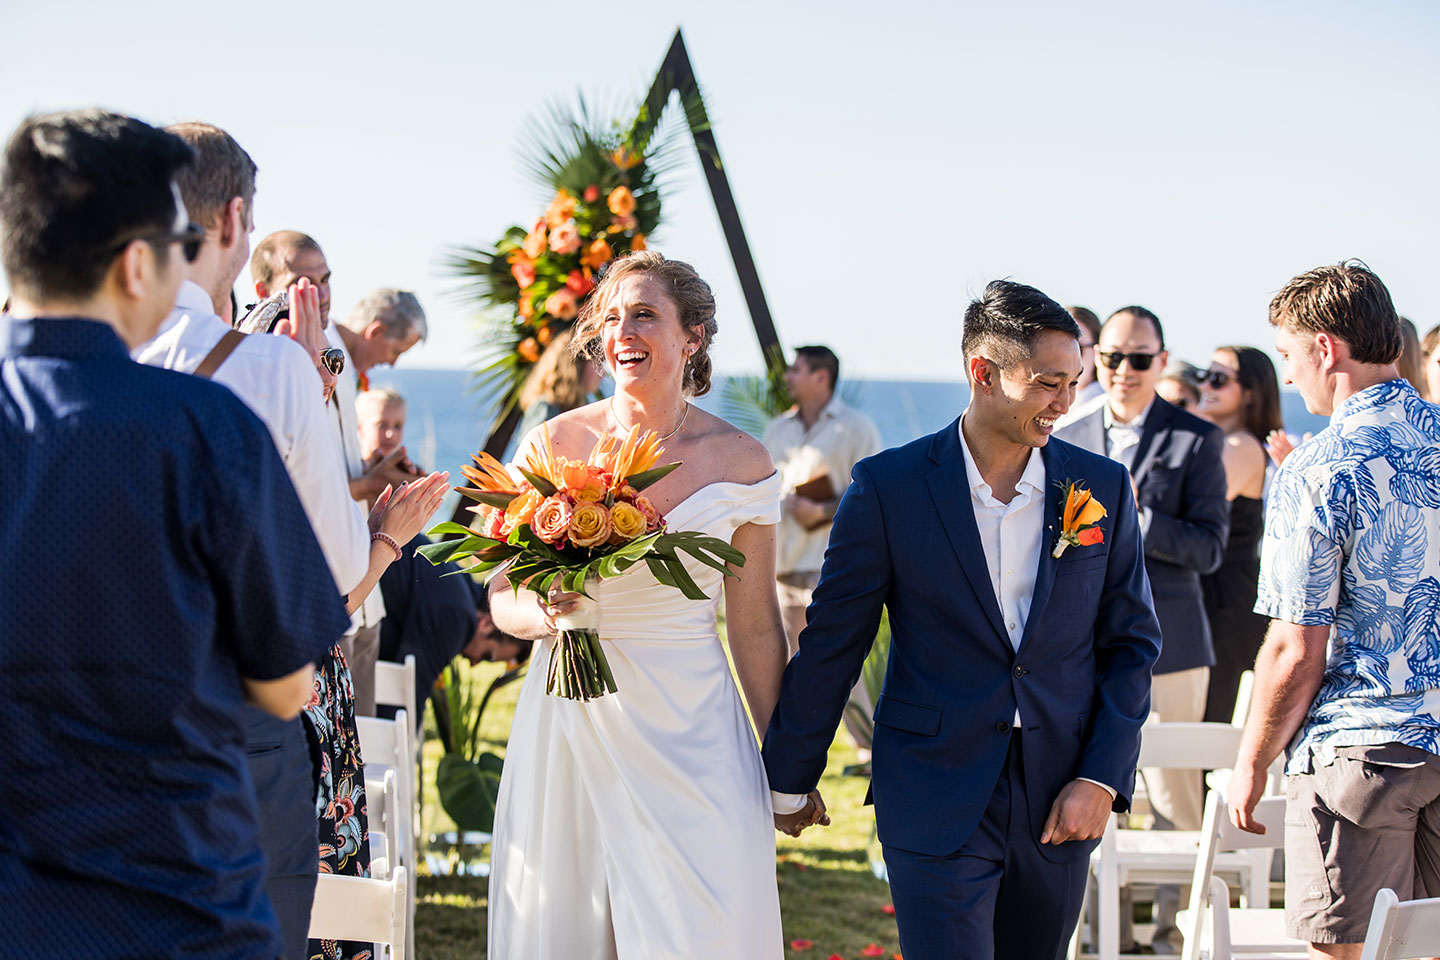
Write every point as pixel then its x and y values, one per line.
pixel 1352 540
pixel 152 554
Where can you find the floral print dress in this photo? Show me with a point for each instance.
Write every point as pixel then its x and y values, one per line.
pixel 340 808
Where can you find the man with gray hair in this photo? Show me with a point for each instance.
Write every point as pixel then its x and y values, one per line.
pixel 381 327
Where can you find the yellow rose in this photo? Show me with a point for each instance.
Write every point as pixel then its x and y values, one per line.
pixel 1092 512
pixel 621 202
pixel 589 525
pixel 627 520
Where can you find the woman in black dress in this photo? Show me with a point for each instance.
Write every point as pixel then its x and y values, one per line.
pixel 1241 395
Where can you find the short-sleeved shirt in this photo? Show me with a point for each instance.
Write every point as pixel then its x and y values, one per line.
pixel 840 438
pixel 1352 540
pixel 129 825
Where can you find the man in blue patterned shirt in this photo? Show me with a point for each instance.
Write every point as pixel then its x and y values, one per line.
pixel 1351 575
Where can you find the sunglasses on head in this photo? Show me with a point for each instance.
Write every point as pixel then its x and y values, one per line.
pixel 1138 361
pixel 190 240
pixel 333 359
pixel 1217 379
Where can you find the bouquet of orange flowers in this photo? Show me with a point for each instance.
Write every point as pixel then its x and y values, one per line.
pixel 573 521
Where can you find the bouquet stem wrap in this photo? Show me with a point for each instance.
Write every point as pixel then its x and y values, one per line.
pixel 578 668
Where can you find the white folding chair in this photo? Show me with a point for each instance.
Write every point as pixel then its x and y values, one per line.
pixel 1212 930
pixel 1153 856
pixel 395 687
pixel 386 744
pixel 1402 931
pixel 382 800
pixel 359 908
pixel 1242 699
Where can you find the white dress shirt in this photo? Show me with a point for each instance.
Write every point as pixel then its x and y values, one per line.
pixel 346 439
pixel 1121 441
pixel 276 379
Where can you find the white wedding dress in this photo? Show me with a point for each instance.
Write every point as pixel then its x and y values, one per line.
pixel 638 826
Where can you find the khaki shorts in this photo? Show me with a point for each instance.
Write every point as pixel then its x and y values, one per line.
pixel 1369 820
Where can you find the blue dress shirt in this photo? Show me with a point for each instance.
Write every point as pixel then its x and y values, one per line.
pixel 152 554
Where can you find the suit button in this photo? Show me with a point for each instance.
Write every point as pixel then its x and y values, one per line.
pixel 1020 672
pixel 1002 727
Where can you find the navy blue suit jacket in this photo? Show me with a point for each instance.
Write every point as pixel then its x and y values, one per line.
pixel 1180 471
pixel 905 539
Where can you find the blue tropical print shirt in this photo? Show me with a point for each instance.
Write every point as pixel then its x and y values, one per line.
pixel 1352 540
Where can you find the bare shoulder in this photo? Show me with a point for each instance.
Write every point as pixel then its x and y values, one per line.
pixel 572 433
pixel 734 455
pixel 1243 445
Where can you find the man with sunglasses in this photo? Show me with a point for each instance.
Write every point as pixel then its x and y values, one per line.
pixel 1175 463
pixel 130 821
pixel 276 377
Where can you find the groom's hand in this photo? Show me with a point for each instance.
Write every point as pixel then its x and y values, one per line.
pixel 793 824
pixel 1079 813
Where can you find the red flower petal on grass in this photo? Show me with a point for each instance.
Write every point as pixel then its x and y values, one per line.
pixel 834 956
pixel 888 909
pixel 801 944
pixel 872 950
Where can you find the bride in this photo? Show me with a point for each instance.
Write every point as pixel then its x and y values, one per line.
pixel 638 825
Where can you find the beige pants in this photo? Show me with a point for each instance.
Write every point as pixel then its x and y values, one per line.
pixel 795 590
pixel 362 649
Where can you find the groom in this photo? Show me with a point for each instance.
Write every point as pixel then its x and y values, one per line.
pixel 1009 723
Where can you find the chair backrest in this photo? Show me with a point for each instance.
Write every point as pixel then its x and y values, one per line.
pixel 1402 931
pixel 395 684
pixel 1189 746
pixel 382 801
pixel 387 743
pixel 1217 834
pixel 1242 699
pixel 359 908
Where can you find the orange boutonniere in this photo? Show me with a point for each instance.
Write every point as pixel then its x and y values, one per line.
pixel 1078 523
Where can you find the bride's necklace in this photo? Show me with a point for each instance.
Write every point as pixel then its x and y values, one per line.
pixel 683 417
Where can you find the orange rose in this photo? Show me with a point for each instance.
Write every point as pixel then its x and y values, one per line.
pixel 493 522
pixel 527 308
pixel 627 521
pixel 534 243
pixel 524 272
pixel 653 520
pixel 621 202
pixel 565 239
pixel 597 254
pixel 578 284
pixel 562 208
pixel 589 525
pixel 528 349
pixel 544 335
pixel 561 304
pixel 1090 537
pixel 522 508
pixel 592 193
pixel 637 242
pixel 552 520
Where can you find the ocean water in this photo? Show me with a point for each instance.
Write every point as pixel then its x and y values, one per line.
pixel 447 422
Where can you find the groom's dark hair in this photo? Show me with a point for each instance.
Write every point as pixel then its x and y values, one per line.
pixel 1004 322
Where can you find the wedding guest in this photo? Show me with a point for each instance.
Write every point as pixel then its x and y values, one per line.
pixel 1412 357
pixel 282 259
pixel 380 420
pixel 559 381
pixel 1430 352
pixel 1348 573
pixel 1179 385
pixel 382 326
pixel 130 821
pixel 1089 386
pixel 1176 464
pixel 1242 398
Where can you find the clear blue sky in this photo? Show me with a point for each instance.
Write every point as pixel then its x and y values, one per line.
pixel 888 159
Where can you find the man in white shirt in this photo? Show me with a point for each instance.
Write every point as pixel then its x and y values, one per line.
pixel 276 377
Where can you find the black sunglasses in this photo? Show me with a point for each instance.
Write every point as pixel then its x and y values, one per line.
pixel 190 240
pixel 1138 361
pixel 1217 379
pixel 333 358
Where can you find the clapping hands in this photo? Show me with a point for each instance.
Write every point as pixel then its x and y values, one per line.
pixel 812 814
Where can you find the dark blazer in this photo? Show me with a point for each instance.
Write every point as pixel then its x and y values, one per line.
pixel 905 539
pixel 1180 472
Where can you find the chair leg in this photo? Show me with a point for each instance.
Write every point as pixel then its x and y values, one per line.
pixel 1107 924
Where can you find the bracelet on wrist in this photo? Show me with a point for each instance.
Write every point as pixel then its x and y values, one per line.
pixel 389 541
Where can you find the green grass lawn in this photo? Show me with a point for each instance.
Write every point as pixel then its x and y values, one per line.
pixel 828 894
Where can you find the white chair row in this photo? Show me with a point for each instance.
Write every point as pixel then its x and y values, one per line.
pixel 385 748
pixel 361 908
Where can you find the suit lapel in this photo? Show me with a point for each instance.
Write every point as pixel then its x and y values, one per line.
pixel 950 488
pixel 1056 463
pixel 1155 424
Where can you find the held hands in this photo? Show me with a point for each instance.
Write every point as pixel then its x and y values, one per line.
pixel 806 512
pixel 394 470
pixel 812 814
pixel 557 603
pixel 1079 813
